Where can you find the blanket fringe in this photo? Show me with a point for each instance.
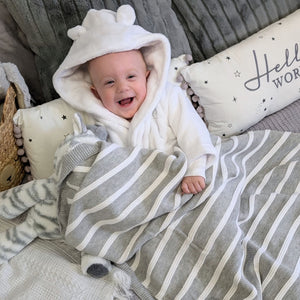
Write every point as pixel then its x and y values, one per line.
pixel 122 283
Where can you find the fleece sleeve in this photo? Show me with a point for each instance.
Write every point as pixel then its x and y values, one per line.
pixel 192 134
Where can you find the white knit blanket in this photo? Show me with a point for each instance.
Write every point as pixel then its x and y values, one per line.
pixel 50 270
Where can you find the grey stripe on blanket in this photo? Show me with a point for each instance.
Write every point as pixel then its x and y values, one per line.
pixel 238 239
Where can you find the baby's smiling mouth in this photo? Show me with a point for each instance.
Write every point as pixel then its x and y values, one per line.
pixel 125 101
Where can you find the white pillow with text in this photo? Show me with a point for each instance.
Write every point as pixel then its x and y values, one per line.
pixel 250 80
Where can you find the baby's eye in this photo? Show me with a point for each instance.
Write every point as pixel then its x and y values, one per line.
pixel 109 82
pixel 131 76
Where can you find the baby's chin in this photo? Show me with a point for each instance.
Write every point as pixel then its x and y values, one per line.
pixel 127 115
pixel 128 110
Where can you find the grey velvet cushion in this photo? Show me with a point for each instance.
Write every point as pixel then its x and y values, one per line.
pixel 213 25
pixel 45 25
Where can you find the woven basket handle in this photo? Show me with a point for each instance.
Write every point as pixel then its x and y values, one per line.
pixel 9 107
pixel 11 167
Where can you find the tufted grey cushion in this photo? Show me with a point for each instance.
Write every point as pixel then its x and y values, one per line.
pixel 214 25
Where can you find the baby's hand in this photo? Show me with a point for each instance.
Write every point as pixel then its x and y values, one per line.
pixel 192 184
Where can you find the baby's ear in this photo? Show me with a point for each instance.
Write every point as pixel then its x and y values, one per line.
pixel 95 93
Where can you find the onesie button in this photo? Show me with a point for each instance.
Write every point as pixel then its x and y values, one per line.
pixel 154 114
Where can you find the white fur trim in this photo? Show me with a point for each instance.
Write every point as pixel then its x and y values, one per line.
pixel 122 283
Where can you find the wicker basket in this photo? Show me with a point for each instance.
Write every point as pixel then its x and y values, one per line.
pixel 11 167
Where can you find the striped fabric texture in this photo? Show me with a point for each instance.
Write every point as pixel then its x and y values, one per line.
pixel 238 239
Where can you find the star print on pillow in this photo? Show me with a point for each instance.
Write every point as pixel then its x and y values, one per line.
pixel 43 128
pixel 250 80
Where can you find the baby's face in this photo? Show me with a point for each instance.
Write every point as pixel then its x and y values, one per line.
pixel 120 81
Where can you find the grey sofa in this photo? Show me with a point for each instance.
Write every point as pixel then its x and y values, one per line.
pixel 33 36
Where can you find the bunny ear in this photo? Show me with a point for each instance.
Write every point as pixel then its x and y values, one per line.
pixel 125 15
pixel 75 32
pixel 78 124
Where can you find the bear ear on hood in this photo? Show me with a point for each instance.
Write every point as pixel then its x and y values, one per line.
pixel 75 32
pixel 124 15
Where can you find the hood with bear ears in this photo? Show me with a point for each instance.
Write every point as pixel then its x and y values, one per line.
pixel 102 32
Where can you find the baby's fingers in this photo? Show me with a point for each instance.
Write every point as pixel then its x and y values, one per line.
pixel 185 188
pixel 191 188
pixel 197 187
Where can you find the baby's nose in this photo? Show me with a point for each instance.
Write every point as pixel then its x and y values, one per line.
pixel 122 86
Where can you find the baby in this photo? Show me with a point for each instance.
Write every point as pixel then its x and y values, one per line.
pixel 120 83
pixel 117 72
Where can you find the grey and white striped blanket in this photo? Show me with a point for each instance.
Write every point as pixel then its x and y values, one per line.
pixel 238 239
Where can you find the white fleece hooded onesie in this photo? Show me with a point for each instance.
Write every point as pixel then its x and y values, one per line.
pixel 166 118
